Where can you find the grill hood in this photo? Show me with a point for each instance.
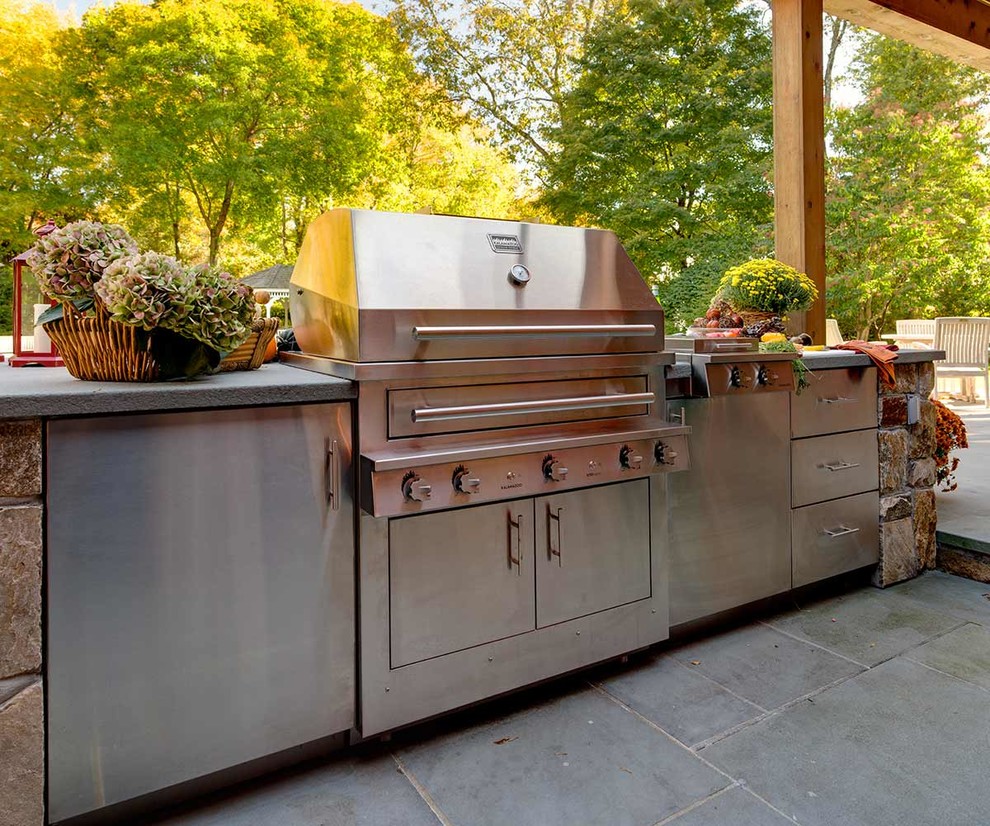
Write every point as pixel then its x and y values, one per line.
pixel 378 286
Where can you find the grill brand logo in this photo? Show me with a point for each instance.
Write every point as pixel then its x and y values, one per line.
pixel 505 243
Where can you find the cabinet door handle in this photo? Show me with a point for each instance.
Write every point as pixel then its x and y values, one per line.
pixel 833 466
pixel 836 399
pixel 842 530
pixel 551 551
pixel 516 525
pixel 331 474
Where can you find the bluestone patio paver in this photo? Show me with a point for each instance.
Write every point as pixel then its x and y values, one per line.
pixel 865 626
pixel 899 744
pixel 579 759
pixel 735 807
pixel 964 653
pixel 678 698
pixel 765 666
pixel 350 791
pixel 953 596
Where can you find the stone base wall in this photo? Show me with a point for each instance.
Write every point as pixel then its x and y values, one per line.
pixel 907 475
pixel 22 721
pixel 962 562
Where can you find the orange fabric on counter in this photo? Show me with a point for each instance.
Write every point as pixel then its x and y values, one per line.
pixel 880 354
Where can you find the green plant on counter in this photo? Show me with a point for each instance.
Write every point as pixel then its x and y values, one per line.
pixel 767 285
pixel 800 369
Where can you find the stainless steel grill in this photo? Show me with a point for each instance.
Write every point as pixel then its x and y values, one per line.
pixel 513 449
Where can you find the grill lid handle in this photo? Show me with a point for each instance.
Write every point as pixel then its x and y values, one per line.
pixel 477 411
pixel 534 331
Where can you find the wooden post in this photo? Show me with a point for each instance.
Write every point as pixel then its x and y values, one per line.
pixel 799 146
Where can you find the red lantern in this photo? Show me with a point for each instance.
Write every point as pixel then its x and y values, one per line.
pixel 28 300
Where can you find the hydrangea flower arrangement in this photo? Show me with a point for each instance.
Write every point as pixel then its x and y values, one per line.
pixel 767 285
pixel 191 315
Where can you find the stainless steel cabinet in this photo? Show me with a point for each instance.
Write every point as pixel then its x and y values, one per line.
pixel 594 550
pixel 730 536
pixel 200 594
pixel 460 578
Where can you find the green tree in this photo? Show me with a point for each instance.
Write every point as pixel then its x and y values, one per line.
pixel 908 229
pixel 40 158
pixel 217 109
pixel 666 139
pixel 508 62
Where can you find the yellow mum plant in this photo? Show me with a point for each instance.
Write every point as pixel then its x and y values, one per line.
pixel 767 285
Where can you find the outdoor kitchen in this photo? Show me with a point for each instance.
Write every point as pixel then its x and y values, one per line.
pixel 485 467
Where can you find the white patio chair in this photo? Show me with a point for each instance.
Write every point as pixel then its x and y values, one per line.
pixel 965 341
pixel 833 335
pixel 908 327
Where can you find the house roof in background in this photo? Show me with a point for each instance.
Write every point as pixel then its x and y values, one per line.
pixel 274 278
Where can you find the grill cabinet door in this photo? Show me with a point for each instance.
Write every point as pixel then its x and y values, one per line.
pixel 593 550
pixel 460 578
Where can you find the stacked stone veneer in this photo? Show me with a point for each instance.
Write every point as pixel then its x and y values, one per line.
pixel 907 476
pixel 22 729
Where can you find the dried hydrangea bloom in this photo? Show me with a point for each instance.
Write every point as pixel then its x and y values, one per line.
pixel 70 260
pixel 220 310
pixel 145 290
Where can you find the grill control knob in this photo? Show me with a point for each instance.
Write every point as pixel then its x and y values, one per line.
pixel 762 375
pixel 664 455
pixel 628 459
pixel 414 489
pixel 553 471
pixel 735 376
pixel 463 482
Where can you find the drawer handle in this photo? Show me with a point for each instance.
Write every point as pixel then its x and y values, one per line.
pixel 836 399
pixel 833 466
pixel 842 530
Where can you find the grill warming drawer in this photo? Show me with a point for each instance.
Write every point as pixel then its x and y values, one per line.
pixel 830 467
pixel 834 537
pixel 837 400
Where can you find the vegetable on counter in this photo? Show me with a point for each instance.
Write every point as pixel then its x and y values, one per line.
pixel 782 345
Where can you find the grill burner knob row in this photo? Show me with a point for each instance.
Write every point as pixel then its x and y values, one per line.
pixel 664 455
pixel 414 489
pixel 463 482
pixel 628 459
pixel 553 470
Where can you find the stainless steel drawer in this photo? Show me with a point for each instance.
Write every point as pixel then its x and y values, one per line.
pixel 829 467
pixel 836 401
pixel 454 409
pixel 834 537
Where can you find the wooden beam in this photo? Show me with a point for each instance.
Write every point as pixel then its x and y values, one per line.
pixel 799 146
pixel 957 29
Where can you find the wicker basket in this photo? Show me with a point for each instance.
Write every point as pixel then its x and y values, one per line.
pixel 96 348
pixel 251 353
pixel 754 316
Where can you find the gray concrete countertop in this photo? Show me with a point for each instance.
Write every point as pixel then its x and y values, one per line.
pixel 35 392
pixel 830 359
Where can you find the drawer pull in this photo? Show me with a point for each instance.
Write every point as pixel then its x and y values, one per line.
pixel 842 530
pixel 836 399
pixel 833 466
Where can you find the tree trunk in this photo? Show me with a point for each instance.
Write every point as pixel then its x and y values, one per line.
pixel 837 31
pixel 216 228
